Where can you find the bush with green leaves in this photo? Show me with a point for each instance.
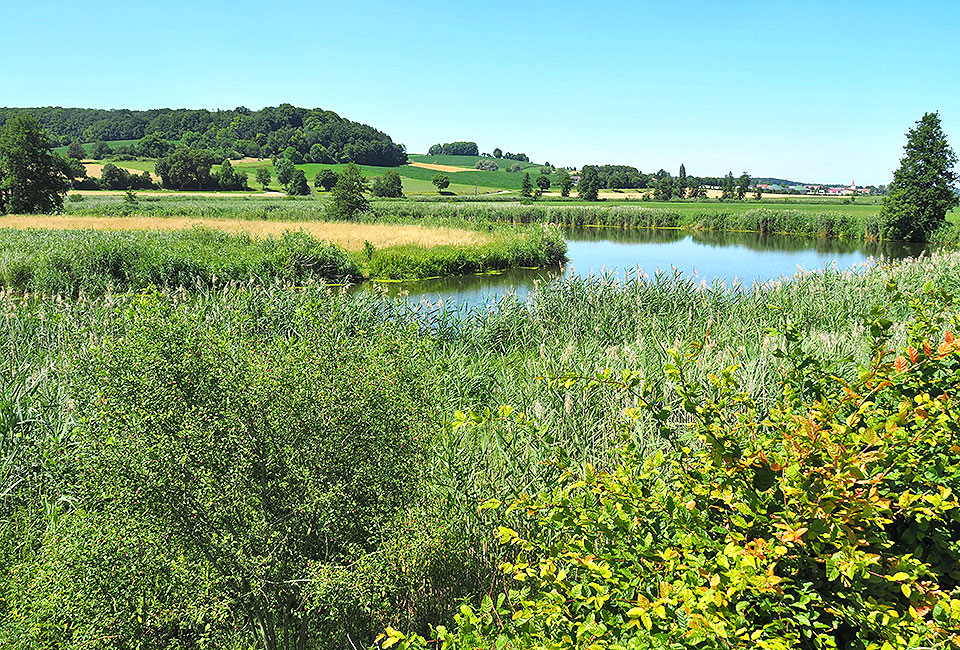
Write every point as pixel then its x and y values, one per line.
pixel 828 520
pixel 268 461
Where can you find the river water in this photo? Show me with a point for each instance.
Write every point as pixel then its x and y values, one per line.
pixel 731 258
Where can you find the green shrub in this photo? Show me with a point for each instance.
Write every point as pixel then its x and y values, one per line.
pixel 828 520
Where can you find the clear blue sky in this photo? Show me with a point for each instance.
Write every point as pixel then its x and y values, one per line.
pixel 801 90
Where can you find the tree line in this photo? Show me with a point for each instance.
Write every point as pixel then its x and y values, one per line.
pixel 316 135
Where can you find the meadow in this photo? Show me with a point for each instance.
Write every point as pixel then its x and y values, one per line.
pixel 216 386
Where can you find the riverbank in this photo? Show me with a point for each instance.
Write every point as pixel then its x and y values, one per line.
pixel 125 256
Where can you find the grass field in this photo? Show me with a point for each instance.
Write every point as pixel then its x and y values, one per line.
pixel 350 236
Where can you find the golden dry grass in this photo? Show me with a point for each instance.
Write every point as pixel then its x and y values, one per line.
pixel 441 168
pixel 95 170
pixel 349 235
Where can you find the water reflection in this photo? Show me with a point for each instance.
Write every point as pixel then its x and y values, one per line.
pixel 705 256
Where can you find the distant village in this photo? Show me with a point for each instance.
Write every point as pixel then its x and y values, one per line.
pixel 826 190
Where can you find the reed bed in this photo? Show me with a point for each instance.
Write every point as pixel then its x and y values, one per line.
pixel 476 358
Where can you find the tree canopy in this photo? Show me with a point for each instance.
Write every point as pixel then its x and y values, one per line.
pixel 923 188
pixel 442 181
pixel 264 133
pixel 32 178
pixel 348 199
pixel 389 185
pixel 588 188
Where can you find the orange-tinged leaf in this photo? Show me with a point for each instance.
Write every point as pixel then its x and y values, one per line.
pixel 901 364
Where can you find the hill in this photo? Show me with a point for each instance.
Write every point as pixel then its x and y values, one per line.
pixel 314 135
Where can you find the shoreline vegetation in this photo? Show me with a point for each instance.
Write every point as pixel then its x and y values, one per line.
pixel 852 221
pixel 182 368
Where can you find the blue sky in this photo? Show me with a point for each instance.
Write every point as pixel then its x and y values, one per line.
pixel 801 90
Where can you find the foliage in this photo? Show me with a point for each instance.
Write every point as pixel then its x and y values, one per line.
pixel 298 185
pixel 285 170
pixel 32 178
pixel 348 194
pixel 186 168
pixel 118 178
pixel 924 186
pixel 100 150
pixel 261 134
pixel 326 179
pixel 487 165
pixel 69 262
pixel 588 188
pixel 455 149
pixel 727 187
pixel 263 177
pixel 526 187
pixel 564 182
pixel 543 182
pixel 542 247
pixel 388 185
pixel 442 181
pixel 76 151
pixel 827 520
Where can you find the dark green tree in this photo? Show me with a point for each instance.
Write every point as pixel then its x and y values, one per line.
pixel 185 168
pixel 588 188
pixel 497 153
pixel 263 177
pixel 727 187
pixel 743 185
pixel 348 194
pixel 285 169
pixel 326 179
pixel 923 188
pixel 389 185
pixel 664 189
pixel 153 146
pixel 564 182
pixel 682 183
pixel 758 193
pixel 32 178
pixel 435 150
pixel 526 187
pixel 76 151
pixel 293 155
pixel 100 150
pixel 298 184
pixel 229 178
pixel 543 182
pixel 442 181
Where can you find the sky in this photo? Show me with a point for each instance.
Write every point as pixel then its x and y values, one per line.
pixel 808 91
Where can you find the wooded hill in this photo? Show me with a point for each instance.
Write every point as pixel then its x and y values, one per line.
pixel 313 135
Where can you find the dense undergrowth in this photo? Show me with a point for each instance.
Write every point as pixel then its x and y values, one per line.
pixel 139 431
pixel 91 261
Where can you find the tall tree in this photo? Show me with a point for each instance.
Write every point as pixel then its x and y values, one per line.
pixel 497 153
pixel 743 184
pixel 543 182
pixel 588 188
pixel 298 184
pixel 727 187
pixel 526 187
pixel 285 169
pixel 681 184
pixel 76 151
pixel 564 182
pixel 348 199
pixel 263 177
pixel 325 178
pixel 32 177
pixel 923 188
pixel 442 181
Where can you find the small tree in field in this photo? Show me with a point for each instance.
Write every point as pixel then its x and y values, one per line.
pixel 388 186
pixel 526 187
pixel 543 182
pixel 442 181
pixel 285 169
pixel 298 184
pixel 263 177
pixel 564 182
pixel 76 151
pixel 326 179
pixel 348 194
pixel 923 188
